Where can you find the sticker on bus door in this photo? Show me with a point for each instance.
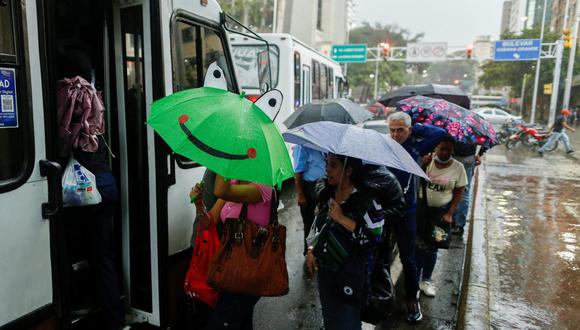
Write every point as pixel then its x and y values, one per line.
pixel 8 108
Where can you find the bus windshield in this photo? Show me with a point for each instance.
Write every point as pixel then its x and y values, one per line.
pixel 246 60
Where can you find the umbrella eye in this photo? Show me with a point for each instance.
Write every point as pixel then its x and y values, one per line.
pixel 217 74
pixel 272 102
pixel 183 119
pixel 251 153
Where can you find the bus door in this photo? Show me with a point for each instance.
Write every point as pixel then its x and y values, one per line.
pixel 28 210
pixel 192 38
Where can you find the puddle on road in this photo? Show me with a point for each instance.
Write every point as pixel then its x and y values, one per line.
pixel 533 237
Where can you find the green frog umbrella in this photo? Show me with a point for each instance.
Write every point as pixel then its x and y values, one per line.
pixel 225 131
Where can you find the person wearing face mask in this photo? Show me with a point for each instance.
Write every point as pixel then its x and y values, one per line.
pixel 444 194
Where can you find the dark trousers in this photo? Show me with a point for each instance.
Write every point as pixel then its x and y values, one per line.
pixel 95 226
pixel 307 211
pixel 406 232
pixel 233 311
pixel 426 260
pixel 336 313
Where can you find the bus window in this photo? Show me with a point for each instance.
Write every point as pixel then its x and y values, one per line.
pixel 16 158
pixel 323 83
pixel 331 83
pixel 315 80
pixel 297 66
pixel 194 48
pixel 246 61
pixel 7 48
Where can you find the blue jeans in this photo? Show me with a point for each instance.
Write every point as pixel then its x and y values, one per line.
pixel 460 216
pixel 555 137
pixel 406 232
pixel 426 259
pixel 233 311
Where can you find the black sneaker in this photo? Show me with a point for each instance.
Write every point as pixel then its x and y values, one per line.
pixel 414 311
pixel 457 230
pixel 541 153
pixel 570 151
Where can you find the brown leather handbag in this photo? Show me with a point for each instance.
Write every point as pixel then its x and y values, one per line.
pixel 251 258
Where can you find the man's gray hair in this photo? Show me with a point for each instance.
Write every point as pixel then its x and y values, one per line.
pixel 400 116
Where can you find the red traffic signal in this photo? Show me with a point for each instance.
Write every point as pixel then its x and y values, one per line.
pixel 385 48
pixel 469 51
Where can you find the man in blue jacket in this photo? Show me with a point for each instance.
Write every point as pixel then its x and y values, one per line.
pixel 418 140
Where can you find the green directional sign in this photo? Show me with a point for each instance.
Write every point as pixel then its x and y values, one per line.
pixel 355 53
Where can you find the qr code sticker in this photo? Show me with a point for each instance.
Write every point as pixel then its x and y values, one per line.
pixel 7 103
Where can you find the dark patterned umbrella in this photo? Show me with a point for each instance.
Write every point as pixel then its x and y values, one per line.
pixel 447 92
pixel 337 110
pixel 464 125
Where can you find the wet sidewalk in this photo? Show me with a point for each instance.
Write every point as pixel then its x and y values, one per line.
pixel 524 269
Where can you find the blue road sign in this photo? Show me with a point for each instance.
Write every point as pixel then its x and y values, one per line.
pixel 355 53
pixel 517 50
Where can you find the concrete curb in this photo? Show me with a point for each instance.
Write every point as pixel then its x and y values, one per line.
pixel 475 309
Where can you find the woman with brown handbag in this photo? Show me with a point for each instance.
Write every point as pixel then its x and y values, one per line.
pixel 346 231
pixel 234 310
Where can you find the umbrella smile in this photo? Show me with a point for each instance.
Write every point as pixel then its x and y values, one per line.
pixel 251 152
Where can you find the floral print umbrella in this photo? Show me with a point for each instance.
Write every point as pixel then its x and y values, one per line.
pixel 464 125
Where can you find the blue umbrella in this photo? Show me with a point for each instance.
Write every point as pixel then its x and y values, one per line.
pixel 342 139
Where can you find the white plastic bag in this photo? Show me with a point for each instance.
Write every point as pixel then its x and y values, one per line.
pixel 79 187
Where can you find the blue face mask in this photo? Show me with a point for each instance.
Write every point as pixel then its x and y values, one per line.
pixel 438 160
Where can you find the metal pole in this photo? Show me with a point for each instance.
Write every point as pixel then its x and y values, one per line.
pixel 556 82
pixel 377 73
pixel 537 79
pixel 522 94
pixel 275 15
pixel 571 58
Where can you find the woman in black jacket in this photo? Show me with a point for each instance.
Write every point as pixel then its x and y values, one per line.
pixel 347 230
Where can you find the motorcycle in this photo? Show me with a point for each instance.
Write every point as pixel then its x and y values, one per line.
pixel 531 137
pixel 509 128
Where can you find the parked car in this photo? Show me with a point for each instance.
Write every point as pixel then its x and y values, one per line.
pixel 495 116
pixel 377 125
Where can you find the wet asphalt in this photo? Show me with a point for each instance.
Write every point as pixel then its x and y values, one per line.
pixel 533 229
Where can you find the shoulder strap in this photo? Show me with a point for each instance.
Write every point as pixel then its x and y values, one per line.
pixel 274 201
pixel 244 212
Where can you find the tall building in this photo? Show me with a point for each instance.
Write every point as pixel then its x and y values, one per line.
pixel 526 14
pixel 318 23
pixel 505 16
pixel 559 13
pixel 535 11
pixel 518 16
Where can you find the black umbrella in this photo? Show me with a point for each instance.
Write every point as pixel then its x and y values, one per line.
pixel 449 93
pixel 337 110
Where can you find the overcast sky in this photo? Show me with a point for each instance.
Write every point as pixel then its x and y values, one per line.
pixel 456 21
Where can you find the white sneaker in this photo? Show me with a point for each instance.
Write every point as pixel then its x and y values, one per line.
pixel 428 288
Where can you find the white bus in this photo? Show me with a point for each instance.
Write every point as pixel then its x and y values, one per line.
pixel 300 72
pixel 141 50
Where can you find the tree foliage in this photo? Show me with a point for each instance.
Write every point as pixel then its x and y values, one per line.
pixel 391 74
pixel 511 74
pixel 255 14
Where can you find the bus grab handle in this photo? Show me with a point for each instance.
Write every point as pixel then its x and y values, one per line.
pixel 52 171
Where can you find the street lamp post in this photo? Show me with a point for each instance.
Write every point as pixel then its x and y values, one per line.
pixel 537 79
pixel 377 73
pixel 571 58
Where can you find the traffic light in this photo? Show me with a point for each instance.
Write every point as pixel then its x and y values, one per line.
pixel 567 38
pixel 385 48
pixel 469 51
